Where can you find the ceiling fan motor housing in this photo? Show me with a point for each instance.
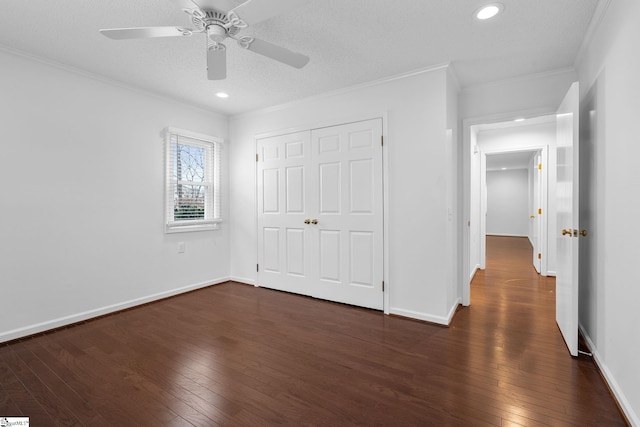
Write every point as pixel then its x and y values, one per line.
pixel 216 33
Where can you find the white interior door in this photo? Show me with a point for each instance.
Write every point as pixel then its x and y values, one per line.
pixel 284 241
pixel 483 211
pixel 320 213
pixel 567 218
pixel 536 215
pixel 347 160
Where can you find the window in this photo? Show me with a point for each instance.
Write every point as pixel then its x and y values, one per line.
pixel 192 181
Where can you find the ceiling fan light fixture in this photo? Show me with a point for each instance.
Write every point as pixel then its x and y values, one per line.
pixel 216 46
pixel 197 13
pixel 216 33
pixel 488 11
pixel 244 42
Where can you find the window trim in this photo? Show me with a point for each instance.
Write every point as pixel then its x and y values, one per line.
pixel 216 145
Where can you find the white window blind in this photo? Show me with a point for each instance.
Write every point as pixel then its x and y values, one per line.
pixel 192 181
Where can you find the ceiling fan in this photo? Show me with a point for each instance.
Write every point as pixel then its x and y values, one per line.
pixel 220 20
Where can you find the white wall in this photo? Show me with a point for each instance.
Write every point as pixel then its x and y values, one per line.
pixel 609 277
pixel 534 94
pixel 453 194
pixel 82 208
pixel 508 202
pixel 416 152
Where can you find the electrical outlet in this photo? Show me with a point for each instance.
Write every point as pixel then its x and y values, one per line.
pixel 180 247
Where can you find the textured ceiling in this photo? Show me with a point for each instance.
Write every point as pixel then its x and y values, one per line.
pixel 349 42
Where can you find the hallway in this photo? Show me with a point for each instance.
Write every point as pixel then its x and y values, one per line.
pixel 532 364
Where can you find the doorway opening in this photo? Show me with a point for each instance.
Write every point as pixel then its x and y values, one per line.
pixel 513 200
pixel 517 159
pixel 563 178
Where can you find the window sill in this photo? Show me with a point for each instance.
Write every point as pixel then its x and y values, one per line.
pixel 187 228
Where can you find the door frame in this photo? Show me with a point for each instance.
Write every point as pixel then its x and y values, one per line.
pixel 385 183
pixel 544 153
pixel 464 264
pixel 537 197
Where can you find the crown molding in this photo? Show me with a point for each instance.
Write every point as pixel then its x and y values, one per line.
pixel 521 78
pixel 342 91
pixel 598 15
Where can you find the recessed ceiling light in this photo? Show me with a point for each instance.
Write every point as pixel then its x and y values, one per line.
pixel 504 169
pixel 222 95
pixel 488 11
pixel 521 119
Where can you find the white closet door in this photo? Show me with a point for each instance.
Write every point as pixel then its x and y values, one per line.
pixel 347 161
pixel 334 182
pixel 284 241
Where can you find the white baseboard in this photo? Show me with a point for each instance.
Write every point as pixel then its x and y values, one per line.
pixel 611 381
pixel 551 273
pixel 452 310
pixel 507 235
pixel 440 320
pixel 86 315
pixel 243 280
pixel 474 271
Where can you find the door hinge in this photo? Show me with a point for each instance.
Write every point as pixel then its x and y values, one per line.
pixel 540 211
pixel 256 157
pixel 257 267
pixel 383 286
pixel 382 140
pixel 539 256
pixel 539 166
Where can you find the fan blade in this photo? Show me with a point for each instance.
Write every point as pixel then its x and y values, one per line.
pixel 223 6
pixel 254 11
pixel 217 63
pixel 278 53
pixel 145 32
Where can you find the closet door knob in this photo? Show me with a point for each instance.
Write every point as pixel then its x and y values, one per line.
pixel 307 221
pixel 314 221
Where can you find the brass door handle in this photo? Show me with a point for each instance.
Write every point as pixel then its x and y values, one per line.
pixel 307 221
pixel 565 232
pixel 314 221
pixel 584 233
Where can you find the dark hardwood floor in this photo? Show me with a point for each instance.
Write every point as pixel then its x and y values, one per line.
pixel 238 355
